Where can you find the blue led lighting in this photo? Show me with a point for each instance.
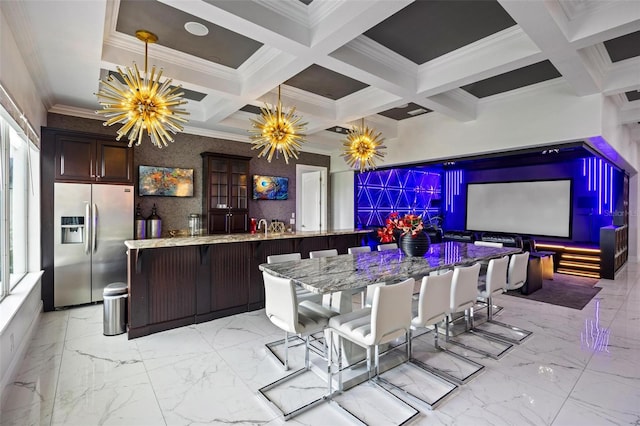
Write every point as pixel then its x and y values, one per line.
pixel 380 192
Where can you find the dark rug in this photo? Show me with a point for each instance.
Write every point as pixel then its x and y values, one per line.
pixel 564 290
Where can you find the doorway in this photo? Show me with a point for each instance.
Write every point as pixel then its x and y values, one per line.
pixel 311 198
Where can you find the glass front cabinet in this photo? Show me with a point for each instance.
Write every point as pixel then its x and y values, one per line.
pixel 225 198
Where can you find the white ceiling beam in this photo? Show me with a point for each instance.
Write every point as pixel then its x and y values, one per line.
pixel 537 20
pixel 631 113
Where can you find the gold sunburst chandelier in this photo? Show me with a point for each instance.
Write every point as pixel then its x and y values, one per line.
pixel 142 102
pixel 362 147
pixel 277 132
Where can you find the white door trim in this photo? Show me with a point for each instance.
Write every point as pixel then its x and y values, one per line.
pixel 300 170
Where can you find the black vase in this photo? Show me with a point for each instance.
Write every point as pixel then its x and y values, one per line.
pixel 415 246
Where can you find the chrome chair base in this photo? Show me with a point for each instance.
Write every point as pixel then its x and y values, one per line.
pixel 288 415
pixel 525 333
pixel 469 328
pixel 477 367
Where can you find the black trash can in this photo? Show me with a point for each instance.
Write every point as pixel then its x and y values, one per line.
pixel 115 309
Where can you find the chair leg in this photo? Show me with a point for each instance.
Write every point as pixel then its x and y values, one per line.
pixel 286 350
pixel 523 332
pixel 444 374
pixel 468 316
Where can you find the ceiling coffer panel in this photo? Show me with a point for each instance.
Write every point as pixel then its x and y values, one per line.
pixel 425 30
pixel 324 82
pixel 532 74
pixel 220 45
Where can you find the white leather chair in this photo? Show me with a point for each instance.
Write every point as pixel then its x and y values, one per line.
pixel 517 271
pixel 388 319
pixel 322 253
pixel 340 301
pixel 464 291
pixel 431 308
pixel 496 283
pixel 302 319
pixel 389 246
pixel 359 249
pixel 303 294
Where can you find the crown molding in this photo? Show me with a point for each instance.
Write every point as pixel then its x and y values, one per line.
pixel 294 11
pixel 76 112
pixel 379 53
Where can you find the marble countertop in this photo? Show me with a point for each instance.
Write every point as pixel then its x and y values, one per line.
pixel 231 238
pixel 353 271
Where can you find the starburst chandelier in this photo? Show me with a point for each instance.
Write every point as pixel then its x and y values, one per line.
pixel 142 102
pixel 277 132
pixel 362 146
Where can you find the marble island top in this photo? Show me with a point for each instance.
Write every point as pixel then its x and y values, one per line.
pixel 231 238
pixel 353 271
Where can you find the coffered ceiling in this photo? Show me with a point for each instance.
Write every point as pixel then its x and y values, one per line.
pixel 336 60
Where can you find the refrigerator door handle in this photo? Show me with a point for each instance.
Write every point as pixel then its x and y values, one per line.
pixel 87 228
pixel 94 226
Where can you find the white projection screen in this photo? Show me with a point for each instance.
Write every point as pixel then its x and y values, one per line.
pixel 532 207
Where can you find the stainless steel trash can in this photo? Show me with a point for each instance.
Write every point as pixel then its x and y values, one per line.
pixel 115 309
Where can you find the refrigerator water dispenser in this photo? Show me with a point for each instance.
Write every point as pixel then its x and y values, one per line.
pixel 72 229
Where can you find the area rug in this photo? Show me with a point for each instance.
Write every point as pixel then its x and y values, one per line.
pixel 564 290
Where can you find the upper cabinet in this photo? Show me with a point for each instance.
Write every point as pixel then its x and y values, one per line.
pixel 92 158
pixel 225 197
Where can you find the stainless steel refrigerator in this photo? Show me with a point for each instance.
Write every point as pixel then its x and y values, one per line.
pixel 91 224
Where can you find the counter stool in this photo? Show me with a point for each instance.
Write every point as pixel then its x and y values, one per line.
pixel 302 319
pixel 431 308
pixel 464 291
pixel 388 319
pixel 389 246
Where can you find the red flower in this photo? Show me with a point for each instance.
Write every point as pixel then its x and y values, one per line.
pixel 409 223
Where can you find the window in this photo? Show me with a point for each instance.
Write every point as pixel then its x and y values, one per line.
pixel 17 201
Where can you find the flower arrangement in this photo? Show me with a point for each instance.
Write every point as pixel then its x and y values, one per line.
pixel 409 223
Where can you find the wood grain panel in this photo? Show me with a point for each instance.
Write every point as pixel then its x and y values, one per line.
pixel 230 276
pixel 172 275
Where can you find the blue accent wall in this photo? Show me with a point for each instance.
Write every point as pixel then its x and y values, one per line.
pixel 439 196
pixel 597 187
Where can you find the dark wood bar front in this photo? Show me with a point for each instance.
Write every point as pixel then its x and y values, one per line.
pixel 175 282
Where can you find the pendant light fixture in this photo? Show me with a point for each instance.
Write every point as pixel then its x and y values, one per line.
pixel 142 102
pixel 276 132
pixel 362 147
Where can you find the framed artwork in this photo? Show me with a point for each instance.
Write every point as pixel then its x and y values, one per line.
pixel 270 187
pixel 165 181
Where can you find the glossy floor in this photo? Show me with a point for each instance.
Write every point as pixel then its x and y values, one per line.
pixel 578 368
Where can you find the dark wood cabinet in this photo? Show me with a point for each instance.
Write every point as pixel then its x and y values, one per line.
pixel 614 249
pixel 225 197
pixel 90 158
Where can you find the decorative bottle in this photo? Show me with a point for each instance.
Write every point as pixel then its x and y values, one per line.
pixel 154 224
pixel 140 224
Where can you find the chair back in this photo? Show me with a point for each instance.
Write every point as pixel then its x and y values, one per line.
pixel 280 302
pixel 390 246
pixel 517 273
pixel 361 249
pixel 433 302
pixel 323 253
pixel 497 275
pixel 278 258
pixel 464 287
pixel 487 244
pixel 391 311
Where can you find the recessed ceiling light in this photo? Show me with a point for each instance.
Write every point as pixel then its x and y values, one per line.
pixel 196 28
pixel 403 106
pixel 417 111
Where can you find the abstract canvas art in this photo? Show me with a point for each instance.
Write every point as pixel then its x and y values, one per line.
pixel 165 181
pixel 270 187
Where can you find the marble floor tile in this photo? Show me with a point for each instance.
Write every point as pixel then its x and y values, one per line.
pixel 578 368
pixel 602 399
pixel 205 390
